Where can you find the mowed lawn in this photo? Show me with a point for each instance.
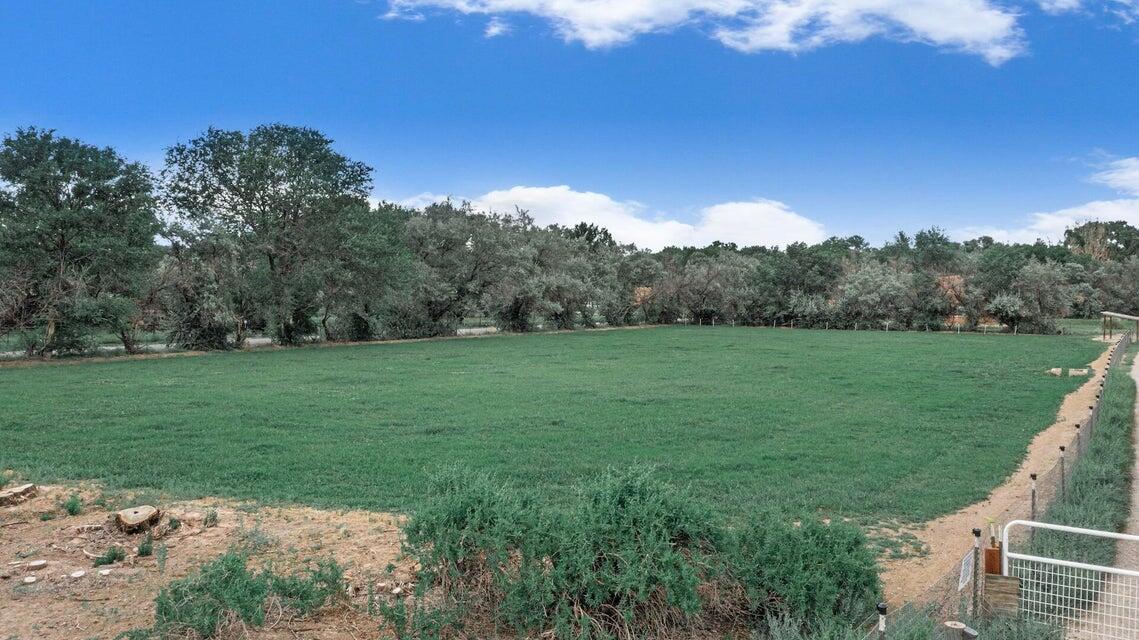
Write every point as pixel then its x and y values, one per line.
pixel 872 425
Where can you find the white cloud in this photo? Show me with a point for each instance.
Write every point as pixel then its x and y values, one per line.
pixel 1125 10
pixel 975 26
pixel 758 222
pixel 1060 6
pixel 1121 175
pixel 424 199
pixel 496 27
pixel 1050 226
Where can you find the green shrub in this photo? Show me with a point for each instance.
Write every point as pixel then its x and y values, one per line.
pixel 307 593
pixel 225 591
pixel 111 556
pixel 73 505
pixel 630 556
pixel 812 571
pixel 174 523
pixel 202 602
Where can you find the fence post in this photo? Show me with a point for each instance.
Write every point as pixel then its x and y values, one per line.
pixel 1078 436
pixel 976 572
pixel 881 621
pixel 1063 475
pixel 1032 500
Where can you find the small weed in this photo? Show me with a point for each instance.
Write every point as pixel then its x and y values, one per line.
pixel 160 555
pixel 111 556
pixel 47 515
pixel 255 539
pixel 73 505
pixel 211 518
pixel 174 523
pixel 146 547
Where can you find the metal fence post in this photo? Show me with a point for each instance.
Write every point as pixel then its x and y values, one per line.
pixel 976 572
pixel 881 621
pixel 1063 475
pixel 1032 500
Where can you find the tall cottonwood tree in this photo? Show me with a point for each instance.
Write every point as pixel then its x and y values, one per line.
pixel 77 230
pixel 288 198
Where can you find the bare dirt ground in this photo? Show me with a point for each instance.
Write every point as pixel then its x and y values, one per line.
pixel 58 606
pixel 948 538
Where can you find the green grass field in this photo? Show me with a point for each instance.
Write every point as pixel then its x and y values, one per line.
pixel 872 425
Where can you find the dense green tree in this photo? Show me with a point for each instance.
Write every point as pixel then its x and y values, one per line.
pixel 934 251
pixel 77 241
pixel 288 199
pixel 1103 240
pixel 461 254
pixel 1045 293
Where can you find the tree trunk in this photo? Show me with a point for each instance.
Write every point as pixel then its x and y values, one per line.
pixel 130 344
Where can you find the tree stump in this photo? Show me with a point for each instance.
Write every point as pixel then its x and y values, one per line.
pixel 16 495
pixel 138 518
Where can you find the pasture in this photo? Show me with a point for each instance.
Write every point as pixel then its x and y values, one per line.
pixel 865 424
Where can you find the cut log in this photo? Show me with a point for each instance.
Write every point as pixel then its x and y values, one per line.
pixel 138 518
pixel 16 495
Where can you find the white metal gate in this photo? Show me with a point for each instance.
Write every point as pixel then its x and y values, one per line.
pixel 1086 600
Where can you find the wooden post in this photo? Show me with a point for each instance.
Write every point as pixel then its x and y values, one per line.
pixel 976 572
pixel 1063 476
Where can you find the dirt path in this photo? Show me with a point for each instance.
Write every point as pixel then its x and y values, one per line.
pixel 948 538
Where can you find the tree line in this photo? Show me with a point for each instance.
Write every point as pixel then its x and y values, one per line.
pixel 270 231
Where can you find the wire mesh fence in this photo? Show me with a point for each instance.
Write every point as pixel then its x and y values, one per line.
pixel 1088 602
pixel 956 596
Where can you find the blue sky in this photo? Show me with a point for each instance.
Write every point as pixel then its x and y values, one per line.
pixel 671 121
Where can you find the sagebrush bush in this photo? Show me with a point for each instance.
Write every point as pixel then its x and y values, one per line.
pixel 807 571
pixel 629 556
pixel 224 592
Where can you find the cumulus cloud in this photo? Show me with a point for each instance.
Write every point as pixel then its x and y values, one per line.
pixel 756 222
pixel 424 199
pixel 1050 226
pixel 1121 175
pixel 981 27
